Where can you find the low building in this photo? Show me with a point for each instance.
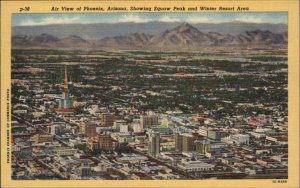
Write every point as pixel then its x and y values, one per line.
pixel 240 139
pixel 195 166
pixel 38 138
pixel 65 151
pixel 140 176
pixel 216 134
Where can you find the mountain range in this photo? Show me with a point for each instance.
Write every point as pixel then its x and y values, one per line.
pixel 183 36
pixel 98 31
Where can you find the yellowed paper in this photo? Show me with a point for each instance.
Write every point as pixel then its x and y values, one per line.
pixel 150 93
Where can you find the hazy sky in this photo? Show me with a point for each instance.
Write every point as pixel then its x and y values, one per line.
pixel 210 17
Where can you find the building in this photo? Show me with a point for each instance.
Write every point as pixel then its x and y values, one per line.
pixel 203 146
pixel 65 101
pixel 148 120
pixel 88 129
pixel 38 138
pixel 84 171
pixel 216 134
pixel 140 176
pixel 154 143
pixel 178 141
pixel 117 124
pixel 184 142
pixel 203 131
pixel 56 129
pixel 124 128
pixel 107 119
pixel 240 139
pixel 137 128
pixel 93 144
pixel 188 142
pixel 105 142
pixel 101 142
pixel 65 151
pixel 195 166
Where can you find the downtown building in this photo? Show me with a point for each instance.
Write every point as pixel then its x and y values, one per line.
pixel 147 121
pixel 153 143
pixel 101 142
pixel 88 129
pixel 65 101
pixel 107 119
pixel 184 142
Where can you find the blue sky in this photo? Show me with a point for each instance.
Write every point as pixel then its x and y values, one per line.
pixel 208 17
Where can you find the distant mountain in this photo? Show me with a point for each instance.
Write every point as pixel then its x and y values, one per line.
pixel 262 36
pixel 135 40
pixel 73 42
pixel 73 39
pixel 40 40
pixel 183 36
pixel 102 30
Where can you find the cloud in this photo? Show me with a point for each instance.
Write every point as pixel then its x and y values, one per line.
pixel 168 19
pixel 50 20
pixel 251 19
pixel 132 18
pixel 198 19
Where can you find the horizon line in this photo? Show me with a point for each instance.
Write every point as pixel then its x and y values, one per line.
pixel 132 22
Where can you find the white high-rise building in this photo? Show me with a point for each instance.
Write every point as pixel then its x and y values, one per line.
pixel 154 143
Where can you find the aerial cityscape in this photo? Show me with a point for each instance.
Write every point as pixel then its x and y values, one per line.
pixel 100 101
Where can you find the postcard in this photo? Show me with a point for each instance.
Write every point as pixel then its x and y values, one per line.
pixel 150 94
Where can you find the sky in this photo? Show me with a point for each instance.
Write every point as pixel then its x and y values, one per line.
pixel 86 18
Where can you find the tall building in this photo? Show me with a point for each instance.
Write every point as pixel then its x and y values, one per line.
pixel 101 142
pixel 203 146
pixel 88 129
pixel 65 101
pixel 184 141
pixel 105 142
pixel 154 143
pixel 107 119
pixel 148 120
pixel 178 141
pixel 56 129
pixel 188 142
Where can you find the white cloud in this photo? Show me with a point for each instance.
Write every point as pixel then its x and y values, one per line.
pixel 198 19
pixel 132 18
pixel 49 20
pixel 168 19
pixel 251 19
